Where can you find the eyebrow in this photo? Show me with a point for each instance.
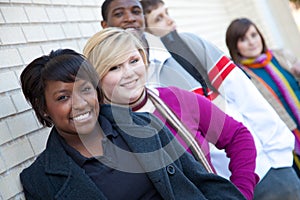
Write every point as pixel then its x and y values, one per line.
pixel 123 8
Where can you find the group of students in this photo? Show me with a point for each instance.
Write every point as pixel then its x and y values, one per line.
pixel 113 109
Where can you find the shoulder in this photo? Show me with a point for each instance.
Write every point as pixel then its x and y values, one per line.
pixel 173 92
pixel 31 176
pixel 191 37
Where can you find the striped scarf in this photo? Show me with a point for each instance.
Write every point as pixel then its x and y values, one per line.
pixel 265 60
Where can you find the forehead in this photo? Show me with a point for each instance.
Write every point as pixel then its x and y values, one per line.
pixel 123 4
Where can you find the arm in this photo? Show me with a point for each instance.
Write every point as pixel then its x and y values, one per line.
pixel 271 135
pixel 206 121
pixel 211 185
pixel 238 143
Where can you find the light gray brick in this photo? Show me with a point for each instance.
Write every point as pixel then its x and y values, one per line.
pixel 1 19
pixel 97 14
pixel 8 81
pixel 72 14
pixel 96 26
pixel 16 152
pixel 7 108
pixel 70 44
pixel 2 167
pixel 29 53
pixel 41 1
pixel 92 3
pixel 5 135
pixel 20 1
pixel 20 196
pixel 87 14
pixel 71 30
pixel 38 140
pixel 74 2
pixel 34 33
pixel 15 172
pixel 18 73
pixel 14 14
pixel 54 32
pixel 20 102
pixel 60 2
pixel 56 14
pixel 10 57
pixel 10 183
pixel 47 48
pixel 36 14
pixel 11 35
pixel 22 124
pixel 81 44
pixel 86 29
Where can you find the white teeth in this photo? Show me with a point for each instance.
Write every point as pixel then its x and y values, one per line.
pixel 81 117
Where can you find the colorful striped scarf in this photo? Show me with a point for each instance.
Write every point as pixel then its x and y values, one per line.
pixel 265 60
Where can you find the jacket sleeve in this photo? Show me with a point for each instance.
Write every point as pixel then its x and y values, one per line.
pixel 207 121
pixel 211 185
pixel 226 133
pixel 270 133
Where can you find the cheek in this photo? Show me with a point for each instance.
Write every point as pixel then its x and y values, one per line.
pixel 141 72
pixel 108 84
pixel 241 47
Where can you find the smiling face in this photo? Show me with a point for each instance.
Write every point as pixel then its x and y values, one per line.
pixel 124 84
pixel 73 107
pixel 250 45
pixel 159 22
pixel 125 14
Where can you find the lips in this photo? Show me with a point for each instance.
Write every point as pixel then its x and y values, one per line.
pixel 129 84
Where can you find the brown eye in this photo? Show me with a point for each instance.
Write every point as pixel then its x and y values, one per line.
pixel 62 98
pixel 254 34
pixel 137 11
pixel 118 14
pixel 134 61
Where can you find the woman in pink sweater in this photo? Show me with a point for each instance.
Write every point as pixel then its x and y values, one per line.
pixel 120 60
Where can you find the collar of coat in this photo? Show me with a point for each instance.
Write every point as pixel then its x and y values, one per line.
pixel 145 135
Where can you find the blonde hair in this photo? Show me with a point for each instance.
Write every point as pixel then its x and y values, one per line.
pixel 110 47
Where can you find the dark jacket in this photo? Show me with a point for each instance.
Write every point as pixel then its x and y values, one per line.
pixel 54 175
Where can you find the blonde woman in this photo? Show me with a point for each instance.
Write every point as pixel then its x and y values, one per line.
pixel 121 62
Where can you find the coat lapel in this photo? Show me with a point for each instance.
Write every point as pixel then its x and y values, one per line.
pixel 145 142
pixel 70 180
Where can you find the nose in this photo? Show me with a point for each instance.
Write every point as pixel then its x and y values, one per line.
pixel 78 101
pixel 251 41
pixel 128 71
pixel 129 17
pixel 170 20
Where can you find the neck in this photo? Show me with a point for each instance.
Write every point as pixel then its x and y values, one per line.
pixel 88 145
pixel 135 105
pixel 140 102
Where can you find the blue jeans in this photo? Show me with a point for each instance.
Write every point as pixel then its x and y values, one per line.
pixel 278 184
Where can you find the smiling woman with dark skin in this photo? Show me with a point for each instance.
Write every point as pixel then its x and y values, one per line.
pixel 104 152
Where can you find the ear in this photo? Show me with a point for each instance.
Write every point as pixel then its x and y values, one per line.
pixel 104 24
